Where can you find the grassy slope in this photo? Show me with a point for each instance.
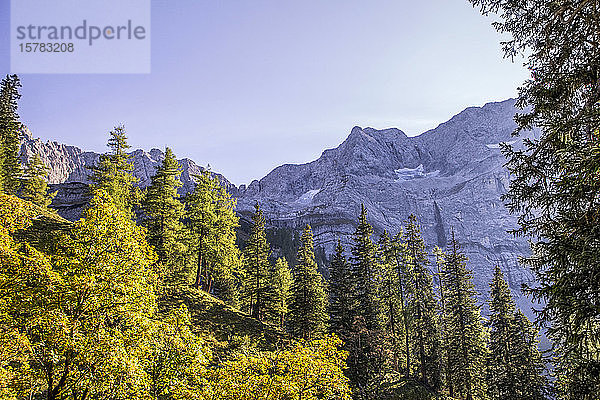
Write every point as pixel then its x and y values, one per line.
pixel 212 317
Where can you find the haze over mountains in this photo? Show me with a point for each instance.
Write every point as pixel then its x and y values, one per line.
pixel 451 177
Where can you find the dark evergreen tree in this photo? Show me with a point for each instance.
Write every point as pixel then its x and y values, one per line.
pixel 399 258
pixel 35 185
pixel 465 333
pixel 554 182
pixel 342 306
pixel 211 235
pixel 114 172
pixel 10 132
pixel 440 261
pixel 257 287
pixel 425 334
pixel 364 266
pixel 308 308
pixel 515 365
pixel 163 213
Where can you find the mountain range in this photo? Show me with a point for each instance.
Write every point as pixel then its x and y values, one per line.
pixel 451 177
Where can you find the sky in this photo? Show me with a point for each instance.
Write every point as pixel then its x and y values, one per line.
pixel 247 85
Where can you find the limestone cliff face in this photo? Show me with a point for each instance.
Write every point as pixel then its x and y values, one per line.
pixel 451 177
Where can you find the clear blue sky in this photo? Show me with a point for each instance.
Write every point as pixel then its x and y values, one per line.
pixel 249 85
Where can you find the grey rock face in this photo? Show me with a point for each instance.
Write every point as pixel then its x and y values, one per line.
pixel 451 177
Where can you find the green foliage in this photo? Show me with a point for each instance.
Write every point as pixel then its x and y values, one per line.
pixel 555 185
pixel 211 221
pixel 257 286
pixel 307 371
pixel 10 132
pixel 515 364
pixel 308 308
pixel 464 331
pixel 35 186
pixel 342 307
pixel 113 174
pixel 163 214
pixel 282 280
pixel 425 334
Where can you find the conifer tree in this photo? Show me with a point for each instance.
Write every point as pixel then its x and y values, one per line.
pixel 425 334
pixel 211 222
pixel 341 294
pixel 554 182
pixel 405 278
pixel 515 365
pixel 35 186
pixel 390 295
pixel 114 172
pixel 10 132
pixel 282 280
pixel 364 263
pixel 163 214
pixel 466 336
pixel 257 286
pixel 440 261
pixel 308 308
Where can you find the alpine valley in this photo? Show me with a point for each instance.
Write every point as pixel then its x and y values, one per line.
pixel 451 177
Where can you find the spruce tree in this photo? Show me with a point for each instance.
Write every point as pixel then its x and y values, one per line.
pixel 440 261
pixel 466 335
pixel 257 286
pixel 425 335
pixel 282 281
pixel 515 365
pixel 554 181
pixel 364 264
pixel 341 294
pixel 308 307
pixel 114 172
pixel 163 213
pixel 399 258
pixel 211 223
pixel 35 186
pixel 10 133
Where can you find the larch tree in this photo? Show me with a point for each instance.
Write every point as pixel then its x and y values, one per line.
pixel 465 333
pixel 554 182
pixel 114 172
pixel 10 132
pixel 35 184
pixel 211 221
pixel 282 281
pixel 308 308
pixel 257 286
pixel 163 213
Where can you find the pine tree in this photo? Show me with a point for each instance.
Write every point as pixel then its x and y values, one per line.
pixel 515 365
pixel 10 132
pixel 308 308
pixel 35 186
pixel 466 336
pixel 554 182
pixel 163 214
pixel 440 258
pixel 423 307
pixel 257 288
pixel 282 281
pixel 341 294
pixel 114 172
